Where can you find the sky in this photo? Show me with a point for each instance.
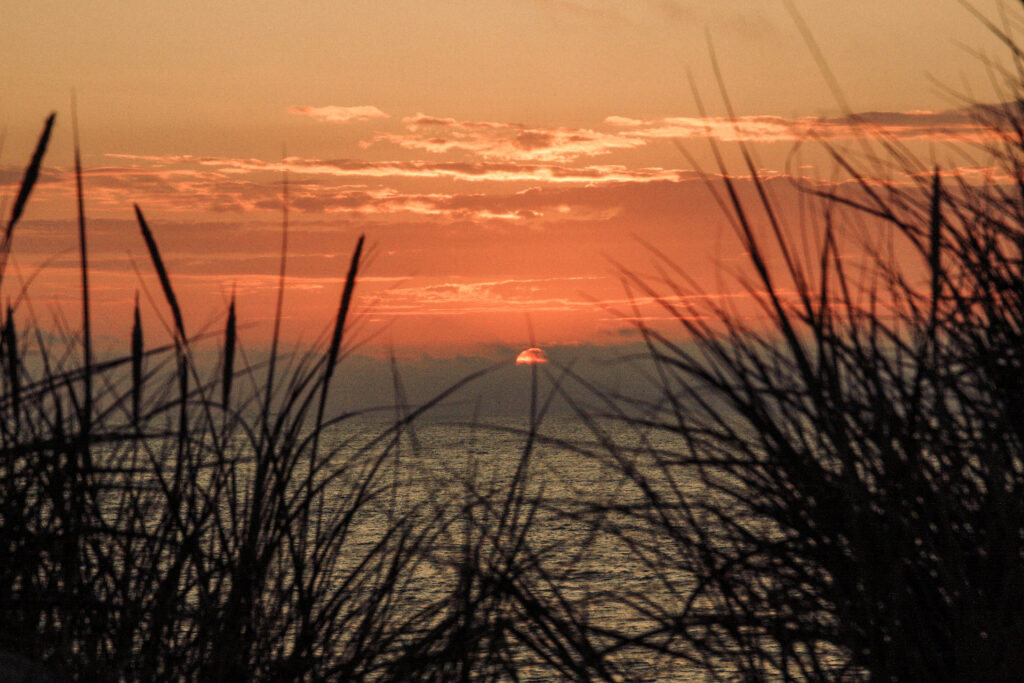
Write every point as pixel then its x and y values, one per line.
pixel 510 163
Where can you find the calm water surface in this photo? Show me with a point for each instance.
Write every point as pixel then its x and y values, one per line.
pixel 441 466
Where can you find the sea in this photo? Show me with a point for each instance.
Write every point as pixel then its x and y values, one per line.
pixel 547 503
pixel 550 510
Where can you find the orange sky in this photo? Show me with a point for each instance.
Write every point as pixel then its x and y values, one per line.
pixel 502 158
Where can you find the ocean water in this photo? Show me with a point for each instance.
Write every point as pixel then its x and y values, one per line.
pixel 550 496
pixel 543 512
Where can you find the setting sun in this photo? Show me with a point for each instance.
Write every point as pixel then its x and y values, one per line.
pixel 531 356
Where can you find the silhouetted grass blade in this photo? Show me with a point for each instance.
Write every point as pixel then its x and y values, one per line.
pixel 136 354
pixel 28 181
pixel 11 364
pixel 30 177
pixel 230 334
pixel 161 271
pixel 343 308
pixel 84 270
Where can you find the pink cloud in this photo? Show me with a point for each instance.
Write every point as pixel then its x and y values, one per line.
pixel 535 295
pixel 336 114
pixel 956 125
pixel 469 171
pixel 535 196
pixel 517 142
pixel 511 141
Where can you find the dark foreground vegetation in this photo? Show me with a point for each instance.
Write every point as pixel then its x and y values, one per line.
pixel 861 464
pixel 838 495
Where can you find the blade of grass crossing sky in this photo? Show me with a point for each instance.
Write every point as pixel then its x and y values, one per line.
pixel 84 269
pixel 28 181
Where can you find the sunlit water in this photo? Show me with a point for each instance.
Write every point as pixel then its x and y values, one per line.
pixel 546 491
pixel 439 466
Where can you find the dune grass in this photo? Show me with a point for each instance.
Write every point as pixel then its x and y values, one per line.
pixel 156 523
pixel 842 496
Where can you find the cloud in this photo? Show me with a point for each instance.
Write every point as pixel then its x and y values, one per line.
pixel 510 141
pixel 495 196
pixel 526 178
pixel 420 121
pixel 490 296
pixel 493 140
pixel 957 125
pixel 563 295
pixel 377 190
pixel 516 152
pixel 479 171
pixel 336 114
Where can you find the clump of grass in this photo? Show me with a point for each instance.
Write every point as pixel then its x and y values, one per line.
pixel 156 523
pixel 840 494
